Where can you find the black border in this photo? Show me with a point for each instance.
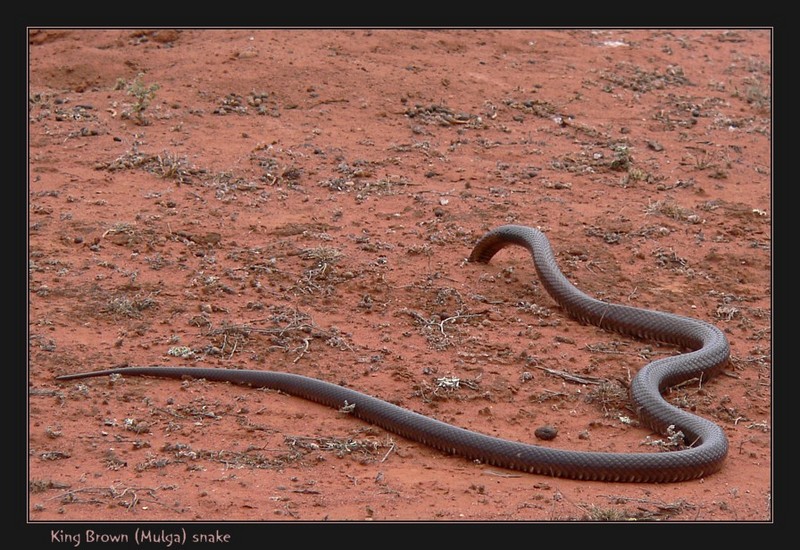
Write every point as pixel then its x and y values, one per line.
pixel 248 534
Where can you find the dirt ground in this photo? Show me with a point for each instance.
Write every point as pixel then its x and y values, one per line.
pixel 305 201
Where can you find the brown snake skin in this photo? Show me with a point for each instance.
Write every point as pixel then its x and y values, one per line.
pixel 709 446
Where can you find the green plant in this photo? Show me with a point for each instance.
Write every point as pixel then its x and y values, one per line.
pixel 142 93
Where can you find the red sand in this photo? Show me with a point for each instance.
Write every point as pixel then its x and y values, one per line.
pixel 305 200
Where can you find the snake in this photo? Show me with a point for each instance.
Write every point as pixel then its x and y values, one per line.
pixel 706 352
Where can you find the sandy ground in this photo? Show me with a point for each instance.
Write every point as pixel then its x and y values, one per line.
pixel 305 200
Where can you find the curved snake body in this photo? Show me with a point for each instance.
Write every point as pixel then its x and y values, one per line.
pixel 710 353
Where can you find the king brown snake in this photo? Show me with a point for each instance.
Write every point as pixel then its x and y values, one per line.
pixel 710 351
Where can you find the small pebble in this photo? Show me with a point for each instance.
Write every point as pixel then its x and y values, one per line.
pixel 546 433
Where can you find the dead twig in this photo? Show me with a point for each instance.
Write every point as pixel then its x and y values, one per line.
pixel 112 492
pixel 573 377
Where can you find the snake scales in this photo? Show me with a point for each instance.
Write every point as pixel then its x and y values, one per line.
pixel 709 446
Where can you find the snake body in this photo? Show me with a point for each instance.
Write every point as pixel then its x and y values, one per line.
pixel 710 351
